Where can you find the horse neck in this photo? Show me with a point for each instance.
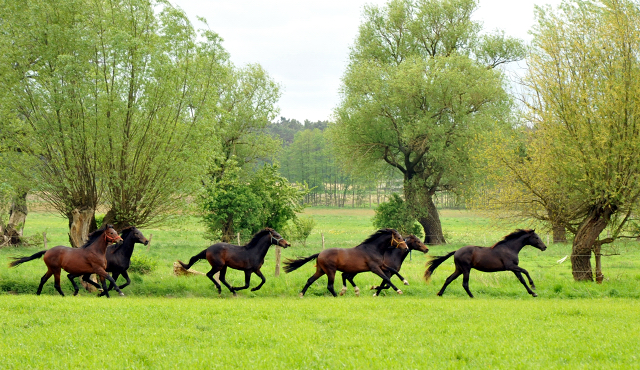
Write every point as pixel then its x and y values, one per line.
pixel 515 245
pixel 261 246
pixel 378 245
pixel 127 246
pixel 100 245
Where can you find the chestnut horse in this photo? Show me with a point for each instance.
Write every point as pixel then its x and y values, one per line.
pixel 503 256
pixel 368 256
pixel 88 259
pixel 248 258
pixel 393 259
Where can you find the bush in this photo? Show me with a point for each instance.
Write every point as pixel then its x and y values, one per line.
pixel 142 264
pixel 395 214
pixel 299 229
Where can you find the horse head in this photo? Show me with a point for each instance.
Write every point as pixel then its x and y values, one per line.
pixel 111 235
pixel 535 241
pixel 416 244
pixel 135 234
pixel 277 239
pixel 396 240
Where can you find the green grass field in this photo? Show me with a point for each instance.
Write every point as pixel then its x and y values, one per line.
pixel 167 321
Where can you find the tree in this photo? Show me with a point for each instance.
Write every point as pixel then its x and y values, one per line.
pixel 395 214
pixel 420 86
pixel 584 74
pixel 111 97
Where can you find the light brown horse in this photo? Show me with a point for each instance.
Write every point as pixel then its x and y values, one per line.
pixel 88 259
pixel 368 256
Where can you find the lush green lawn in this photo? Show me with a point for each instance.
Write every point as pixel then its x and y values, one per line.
pixel 178 322
pixel 50 332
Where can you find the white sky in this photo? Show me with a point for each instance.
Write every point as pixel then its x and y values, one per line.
pixel 304 45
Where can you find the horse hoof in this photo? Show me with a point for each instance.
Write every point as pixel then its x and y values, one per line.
pixel 439 294
pixel 399 291
pixel 405 282
pixel 534 294
pixel 121 294
pixel 301 295
pixel 375 294
pixel 357 291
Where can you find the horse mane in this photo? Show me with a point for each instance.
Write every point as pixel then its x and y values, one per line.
pixel 377 234
pixel 95 235
pixel 514 235
pixel 126 231
pixel 254 240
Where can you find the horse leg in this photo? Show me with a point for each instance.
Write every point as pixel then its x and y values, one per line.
pixel 223 280
pixel 105 275
pixel 356 290
pixel 115 276
pixel 519 276
pixel 125 275
pixel 247 280
pixel 310 281
pixel 465 281
pixel 394 272
pixel 105 291
pixel 56 282
pixel 344 284
pixel 385 279
pixel 451 278
pixel 259 273
pixel 210 276
pixel 72 278
pixel 331 276
pixel 533 286
pixel 87 278
pixel 43 280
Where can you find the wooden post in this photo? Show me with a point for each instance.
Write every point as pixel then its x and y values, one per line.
pixel 238 238
pixel 44 237
pixel 278 254
pixel 322 235
pixel 149 243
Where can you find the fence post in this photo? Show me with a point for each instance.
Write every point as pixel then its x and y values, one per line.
pixel 278 254
pixel 322 235
pixel 238 238
pixel 149 243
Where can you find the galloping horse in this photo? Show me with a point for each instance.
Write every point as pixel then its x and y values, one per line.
pixel 119 257
pixel 503 256
pixel 393 259
pixel 368 256
pixel 248 258
pixel 88 259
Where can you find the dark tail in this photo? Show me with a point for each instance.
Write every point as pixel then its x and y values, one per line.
pixel 194 259
pixel 19 260
pixel 434 263
pixel 292 265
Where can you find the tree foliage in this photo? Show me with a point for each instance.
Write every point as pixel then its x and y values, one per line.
pixel 396 215
pixel 419 88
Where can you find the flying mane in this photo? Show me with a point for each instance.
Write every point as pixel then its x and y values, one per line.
pixel 95 235
pixel 257 236
pixel 377 234
pixel 514 235
pixel 126 231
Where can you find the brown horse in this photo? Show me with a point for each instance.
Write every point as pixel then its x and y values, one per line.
pixel 88 259
pixel 248 258
pixel 393 259
pixel 503 256
pixel 368 256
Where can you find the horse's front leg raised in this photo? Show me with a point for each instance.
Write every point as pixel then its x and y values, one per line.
pixel 394 272
pixel 519 276
pixel 247 280
pixel 259 273
pixel 223 280
pixel 105 276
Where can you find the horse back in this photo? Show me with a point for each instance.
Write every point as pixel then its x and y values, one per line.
pixel 480 258
pixel 233 256
pixel 350 260
pixel 73 260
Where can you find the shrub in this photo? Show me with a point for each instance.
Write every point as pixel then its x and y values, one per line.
pixel 299 229
pixel 395 214
pixel 143 264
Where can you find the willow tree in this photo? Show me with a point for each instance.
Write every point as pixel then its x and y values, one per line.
pixel 584 72
pixel 420 87
pixel 111 95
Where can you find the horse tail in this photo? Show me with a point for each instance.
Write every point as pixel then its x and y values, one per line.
pixel 19 260
pixel 292 265
pixel 200 256
pixel 434 263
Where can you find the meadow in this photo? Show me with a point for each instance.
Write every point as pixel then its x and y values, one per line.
pixel 165 321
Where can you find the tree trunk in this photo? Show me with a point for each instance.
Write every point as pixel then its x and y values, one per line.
pixel 80 220
pixel 559 233
pixel 599 276
pixel 584 241
pixel 431 224
pixel 18 213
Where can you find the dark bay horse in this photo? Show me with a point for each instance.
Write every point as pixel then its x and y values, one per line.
pixel 119 257
pixel 248 258
pixel 393 259
pixel 503 256
pixel 88 259
pixel 368 256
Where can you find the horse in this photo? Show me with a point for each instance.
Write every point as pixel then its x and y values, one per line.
pixel 393 259
pixel 367 256
pixel 248 258
pixel 88 259
pixel 119 257
pixel 502 256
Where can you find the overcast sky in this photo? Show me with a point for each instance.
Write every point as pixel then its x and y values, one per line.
pixel 304 45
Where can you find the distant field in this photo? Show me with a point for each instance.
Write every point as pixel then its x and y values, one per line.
pixel 178 322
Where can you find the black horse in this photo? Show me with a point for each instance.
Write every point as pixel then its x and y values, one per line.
pixel 368 256
pixel 393 259
pixel 503 256
pixel 119 257
pixel 248 258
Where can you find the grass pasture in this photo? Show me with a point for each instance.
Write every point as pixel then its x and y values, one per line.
pixel 180 322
